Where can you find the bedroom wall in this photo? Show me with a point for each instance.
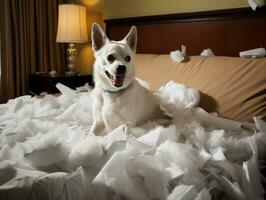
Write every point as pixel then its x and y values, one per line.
pixel 110 9
pixel 85 54
pixel 130 8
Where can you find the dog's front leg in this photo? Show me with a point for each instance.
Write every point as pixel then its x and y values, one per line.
pixel 112 120
pixel 98 123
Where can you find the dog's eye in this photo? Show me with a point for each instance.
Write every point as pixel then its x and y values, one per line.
pixel 110 58
pixel 127 58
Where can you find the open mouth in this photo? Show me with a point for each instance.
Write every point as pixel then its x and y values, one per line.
pixel 116 80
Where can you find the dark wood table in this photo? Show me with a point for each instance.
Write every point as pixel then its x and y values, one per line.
pixel 43 82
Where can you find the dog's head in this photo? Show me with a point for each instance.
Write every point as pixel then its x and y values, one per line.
pixel 113 68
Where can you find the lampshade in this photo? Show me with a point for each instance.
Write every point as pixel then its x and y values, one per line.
pixel 72 27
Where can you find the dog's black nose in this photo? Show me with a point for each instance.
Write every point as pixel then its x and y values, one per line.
pixel 121 69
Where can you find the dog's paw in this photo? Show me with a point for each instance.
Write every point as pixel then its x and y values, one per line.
pixel 91 132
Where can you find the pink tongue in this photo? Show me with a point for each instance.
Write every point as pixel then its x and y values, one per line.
pixel 119 80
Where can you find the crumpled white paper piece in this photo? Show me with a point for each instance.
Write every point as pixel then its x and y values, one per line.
pixel 200 115
pixel 179 94
pixel 134 147
pixel 114 176
pixel 46 157
pixel 253 53
pixel 182 155
pixel 207 52
pixel 177 55
pixel 174 170
pixel 217 154
pixel 254 4
pixel 150 175
pixel 183 192
pixel 15 104
pixel 203 195
pixel 11 177
pixel 88 152
pixel 59 185
pixel 84 88
pixel 66 91
pixel 118 134
pixel 251 182
pixel 232 189
pixel 260 124
pixel 159 135
pixel 77 112
pixel 231 170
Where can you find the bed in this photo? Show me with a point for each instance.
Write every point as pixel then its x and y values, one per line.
pixel 47 153
pixel 231 86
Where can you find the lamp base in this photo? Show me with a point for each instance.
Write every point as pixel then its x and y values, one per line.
pixel 71 59
pixel 71 73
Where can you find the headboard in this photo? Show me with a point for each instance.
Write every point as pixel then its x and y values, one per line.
pixel 226 32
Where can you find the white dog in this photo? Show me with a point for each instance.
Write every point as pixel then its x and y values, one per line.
pixel 119 98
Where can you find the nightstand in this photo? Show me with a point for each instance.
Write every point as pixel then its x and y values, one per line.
pixel 43 82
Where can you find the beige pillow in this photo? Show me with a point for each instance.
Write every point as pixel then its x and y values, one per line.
pixel 233 87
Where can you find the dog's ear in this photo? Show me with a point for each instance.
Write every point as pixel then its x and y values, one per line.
pixel 98 37
pixel 131 38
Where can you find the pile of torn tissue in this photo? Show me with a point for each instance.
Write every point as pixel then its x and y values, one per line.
pixel 47 153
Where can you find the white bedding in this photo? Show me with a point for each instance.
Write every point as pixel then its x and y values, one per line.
pixel 47 153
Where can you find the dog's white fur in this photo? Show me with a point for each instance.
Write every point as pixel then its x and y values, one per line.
pixel 112 105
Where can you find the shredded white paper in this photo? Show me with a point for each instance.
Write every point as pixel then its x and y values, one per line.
pixel 179 56
pixel 253 53
pixel 46 151
pixel 207 52
pixel 254 4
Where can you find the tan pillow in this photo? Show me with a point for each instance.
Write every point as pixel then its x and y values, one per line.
pixel 233 87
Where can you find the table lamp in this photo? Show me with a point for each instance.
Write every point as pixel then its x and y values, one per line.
pixel 72 28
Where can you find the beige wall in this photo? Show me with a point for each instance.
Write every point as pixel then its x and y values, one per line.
pixel 85 54
pixel 110 9
pixel 129 8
